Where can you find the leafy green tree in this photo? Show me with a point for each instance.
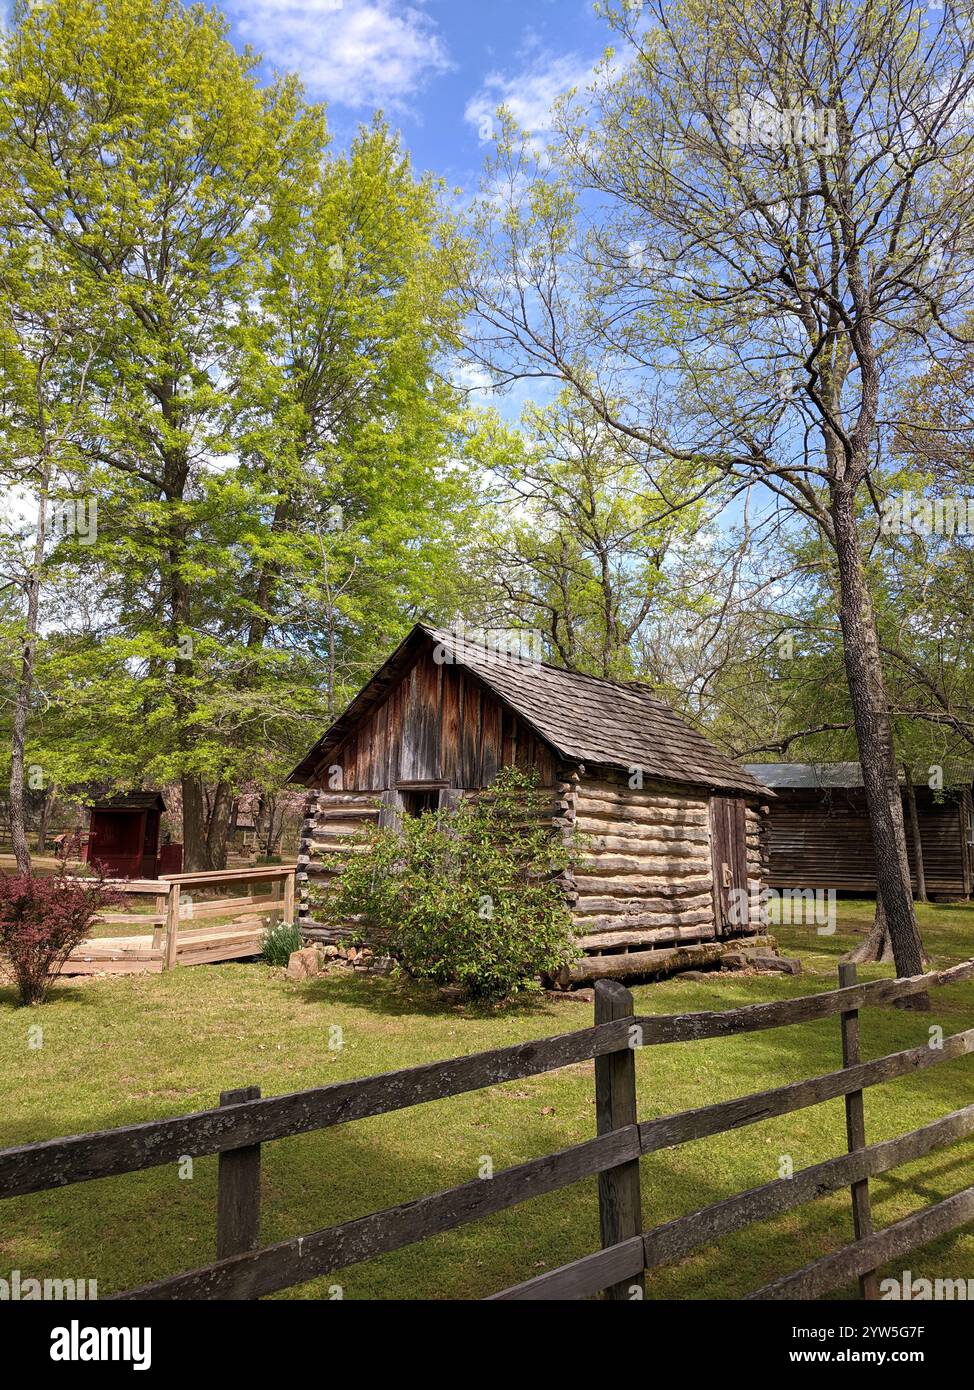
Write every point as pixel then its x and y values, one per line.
pixel 51 332
pixel 582 550
pixel 268 438
pixel 346 430
pixel 146 153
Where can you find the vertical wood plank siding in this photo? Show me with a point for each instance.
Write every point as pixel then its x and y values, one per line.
pixel 437 724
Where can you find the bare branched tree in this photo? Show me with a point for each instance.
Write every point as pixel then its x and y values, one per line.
pixel 755 224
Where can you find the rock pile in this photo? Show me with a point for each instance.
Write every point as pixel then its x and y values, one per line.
pixel 312 960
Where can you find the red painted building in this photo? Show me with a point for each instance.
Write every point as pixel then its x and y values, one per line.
pixel 123 837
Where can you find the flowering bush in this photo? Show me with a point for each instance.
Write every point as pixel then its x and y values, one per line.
pixel 42 919
pixel 469 896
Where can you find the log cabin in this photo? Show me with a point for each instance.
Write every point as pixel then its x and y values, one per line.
pixel 671 825
pixel 818 828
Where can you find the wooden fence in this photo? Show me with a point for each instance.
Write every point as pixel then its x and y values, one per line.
pixel 244 1121
pixel 175 905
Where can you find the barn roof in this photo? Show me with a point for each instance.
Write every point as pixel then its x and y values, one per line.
pixel 821 776
pixel 129 801
pixel 584 719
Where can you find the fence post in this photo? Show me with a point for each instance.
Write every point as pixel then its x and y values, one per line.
pixel 160 904
pixel 238 1190
pixel 172 926
pixel 620 1205
pixel 289 898
pixel 855 1125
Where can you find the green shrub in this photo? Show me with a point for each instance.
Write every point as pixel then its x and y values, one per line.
pixel 278 942
pixel 468 896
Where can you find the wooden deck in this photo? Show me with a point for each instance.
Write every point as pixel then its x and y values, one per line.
pixel 132 955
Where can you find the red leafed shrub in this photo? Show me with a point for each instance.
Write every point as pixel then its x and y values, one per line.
pixel 41 922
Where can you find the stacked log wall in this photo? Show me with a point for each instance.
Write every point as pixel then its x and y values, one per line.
pixel 330 818
pixel 820 840
pixel 643 875
pixel 756 827
pixel 644 878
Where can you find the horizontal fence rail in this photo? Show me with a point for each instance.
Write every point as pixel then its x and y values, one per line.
pixel 897 1240
pixel 703 1227
pixel 203 878
pixel 796 1095
pixel 81 1157
pixel 678 1028
pixel 236 1129
pixel 301 1258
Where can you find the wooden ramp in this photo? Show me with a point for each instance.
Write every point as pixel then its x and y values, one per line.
pixel 129 955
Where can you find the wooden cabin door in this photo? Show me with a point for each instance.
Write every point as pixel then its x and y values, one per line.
pixel 728 849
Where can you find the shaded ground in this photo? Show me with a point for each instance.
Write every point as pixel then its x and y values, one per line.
pixel 138 1047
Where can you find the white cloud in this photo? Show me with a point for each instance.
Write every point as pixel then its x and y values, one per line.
pixel 530 94
pixel 362 53
pixel 474 380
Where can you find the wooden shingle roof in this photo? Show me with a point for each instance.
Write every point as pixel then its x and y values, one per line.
pixel 583 718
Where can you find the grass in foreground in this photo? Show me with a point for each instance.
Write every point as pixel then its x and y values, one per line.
pixel 133 1048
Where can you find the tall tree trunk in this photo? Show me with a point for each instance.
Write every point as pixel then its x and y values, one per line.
pixel 911 801
pixel 42 821
pixel 870 707
pixel 263 826
pixel 25 681
pixel 196 855
pixel 877 946
pixel 218 829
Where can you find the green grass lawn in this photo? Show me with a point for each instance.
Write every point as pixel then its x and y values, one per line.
pixel 130 1048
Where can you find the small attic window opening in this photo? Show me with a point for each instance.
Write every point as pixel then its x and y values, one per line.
pixel 415 803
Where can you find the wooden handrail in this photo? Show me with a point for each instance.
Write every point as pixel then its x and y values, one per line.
pixel 204 876
pixel 176 885
pixel 136 886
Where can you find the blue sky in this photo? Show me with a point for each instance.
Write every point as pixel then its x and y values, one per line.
pixel 438 68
